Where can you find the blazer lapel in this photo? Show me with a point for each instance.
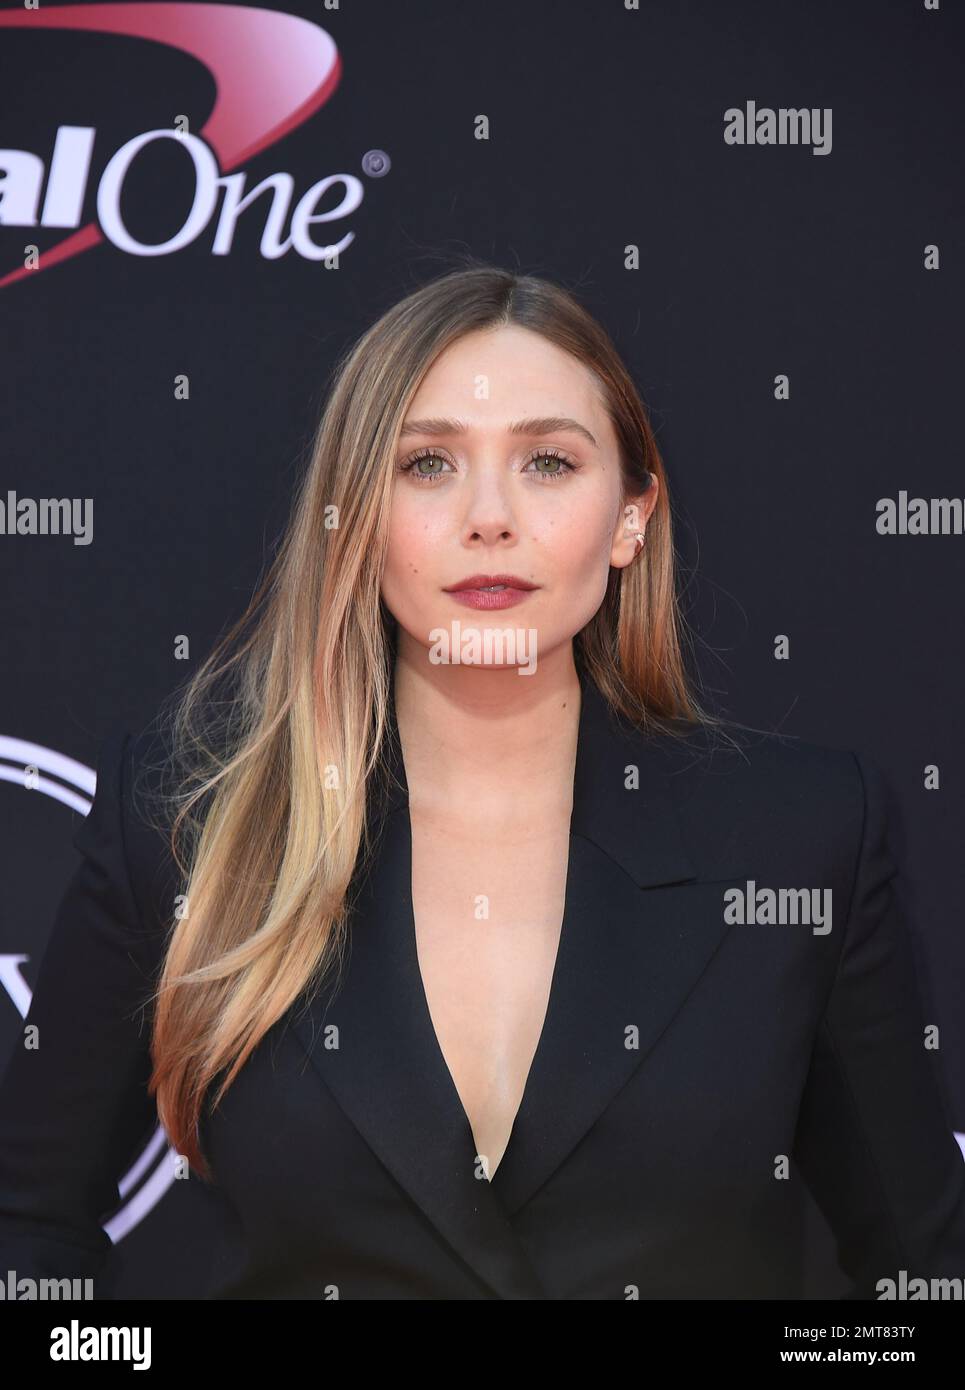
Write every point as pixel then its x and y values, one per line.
pixel 389 1075
pixel 631 948
pixel 629 955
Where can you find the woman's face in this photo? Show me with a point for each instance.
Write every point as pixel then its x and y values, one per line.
pixel 507 465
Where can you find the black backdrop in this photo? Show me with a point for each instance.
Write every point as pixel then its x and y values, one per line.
pixel 605 143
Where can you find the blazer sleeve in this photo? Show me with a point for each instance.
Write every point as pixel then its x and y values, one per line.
pixel 73 1108
pixel 875 1142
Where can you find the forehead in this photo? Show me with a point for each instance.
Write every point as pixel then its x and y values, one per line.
pixel 507 373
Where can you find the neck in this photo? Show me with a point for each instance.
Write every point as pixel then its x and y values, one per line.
pixel 486 739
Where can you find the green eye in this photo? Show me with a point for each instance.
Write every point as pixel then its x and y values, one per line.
pixel 564 465
pixel 414 466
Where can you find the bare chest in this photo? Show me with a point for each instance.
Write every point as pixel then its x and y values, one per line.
pixel 488 912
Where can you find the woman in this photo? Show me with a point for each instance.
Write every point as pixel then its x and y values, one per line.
pixel 482 962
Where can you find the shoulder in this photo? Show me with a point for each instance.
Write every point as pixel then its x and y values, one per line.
pixel 734 750
pixel 775 796
pixel 128 818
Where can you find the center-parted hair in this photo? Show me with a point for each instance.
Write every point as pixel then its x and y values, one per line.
pixel 275 741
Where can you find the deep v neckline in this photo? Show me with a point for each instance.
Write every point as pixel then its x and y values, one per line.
pixel 627 955
pixel 411 948
pixel 410 943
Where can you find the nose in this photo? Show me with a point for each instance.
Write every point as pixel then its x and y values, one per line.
pixel 489 514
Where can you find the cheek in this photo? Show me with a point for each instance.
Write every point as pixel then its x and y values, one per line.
pixel 578 538
pixel 415 535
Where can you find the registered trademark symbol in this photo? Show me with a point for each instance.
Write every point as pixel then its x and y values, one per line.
pixel 377 163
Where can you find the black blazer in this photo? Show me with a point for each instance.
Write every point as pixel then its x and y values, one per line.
pixel 685 1061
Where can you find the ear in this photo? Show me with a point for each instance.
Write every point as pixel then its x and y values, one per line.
pixel 635 514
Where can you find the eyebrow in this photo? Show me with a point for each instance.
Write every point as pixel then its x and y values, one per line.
pixel 536 425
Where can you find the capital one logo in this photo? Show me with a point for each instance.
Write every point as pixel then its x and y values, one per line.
pixel 271 71
pixel 36 768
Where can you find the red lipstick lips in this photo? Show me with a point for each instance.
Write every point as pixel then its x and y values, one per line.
pixel 488 591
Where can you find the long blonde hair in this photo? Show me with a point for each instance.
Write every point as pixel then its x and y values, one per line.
pixel 276 739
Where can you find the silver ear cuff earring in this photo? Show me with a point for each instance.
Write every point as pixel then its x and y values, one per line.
pixel 639 539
